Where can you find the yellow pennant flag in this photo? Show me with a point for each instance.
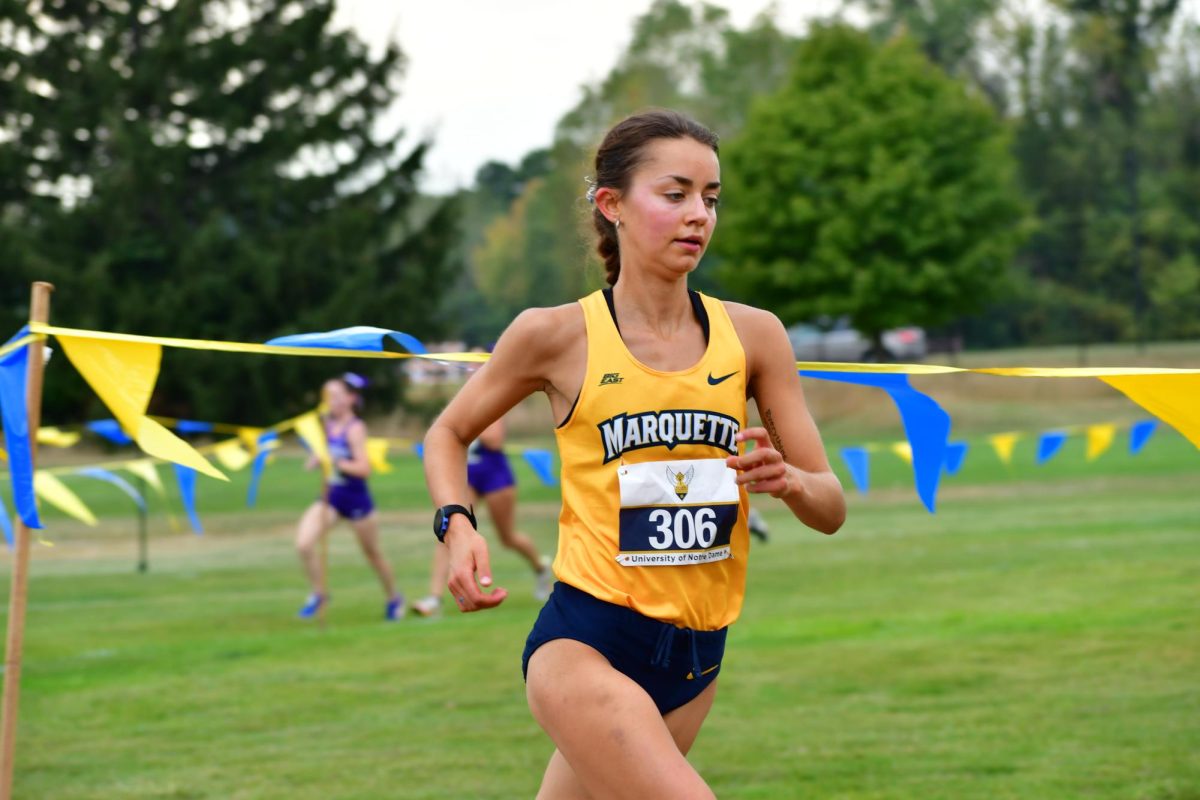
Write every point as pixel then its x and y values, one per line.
pixel 57 438
pixel 1099 439
pixel 903 450
pixel 123 373
pixel 310 429
pixel 55 492
pixel 1003 444
pixel 232 455
pixel 1175 399
pixel 249 437
pixel 377 455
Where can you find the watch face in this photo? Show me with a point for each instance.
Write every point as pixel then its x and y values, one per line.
pixel 439 520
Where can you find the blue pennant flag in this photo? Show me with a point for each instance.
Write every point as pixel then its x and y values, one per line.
pixel 858 461
pixel 360 337
pixel 1049 443
pixel 926 424
pixel 542 463
pixel 117 481
pixel 14 368
pixel 192 426
pixel 6 524
pixel 186 477
pixel 1140 433
pixel 260 462
pixel 110 429
pixel 956 452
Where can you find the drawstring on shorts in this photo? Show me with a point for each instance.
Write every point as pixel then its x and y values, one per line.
pixel 666 642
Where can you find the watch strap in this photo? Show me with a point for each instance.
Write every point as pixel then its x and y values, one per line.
pixel 442 519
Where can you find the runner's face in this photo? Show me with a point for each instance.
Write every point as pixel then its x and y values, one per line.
pixel 670 210
pixel 338 400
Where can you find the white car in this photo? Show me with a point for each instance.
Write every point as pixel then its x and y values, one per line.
pixel 843 343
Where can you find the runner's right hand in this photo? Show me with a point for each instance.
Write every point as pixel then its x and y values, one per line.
pixel 470 568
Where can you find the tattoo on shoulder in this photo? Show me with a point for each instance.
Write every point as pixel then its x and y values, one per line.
pixel 769 424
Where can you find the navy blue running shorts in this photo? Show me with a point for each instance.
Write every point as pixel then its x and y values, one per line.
pixel 672 664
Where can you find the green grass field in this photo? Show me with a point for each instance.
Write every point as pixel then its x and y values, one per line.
pixel 1037 638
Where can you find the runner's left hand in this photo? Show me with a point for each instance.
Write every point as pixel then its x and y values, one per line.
pixel 762 470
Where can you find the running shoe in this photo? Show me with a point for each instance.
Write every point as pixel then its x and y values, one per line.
pixel 544 581
pixel 312 605
pixel 394 610
pixel 758 525
pixel 428 606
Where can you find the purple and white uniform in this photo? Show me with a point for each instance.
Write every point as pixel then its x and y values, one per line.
pixel 346 494
pixel 488 470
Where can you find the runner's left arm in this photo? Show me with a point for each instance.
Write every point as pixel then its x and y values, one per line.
pixel 357 466
pixel 788 460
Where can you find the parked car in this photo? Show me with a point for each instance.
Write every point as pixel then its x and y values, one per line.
pixel 840 342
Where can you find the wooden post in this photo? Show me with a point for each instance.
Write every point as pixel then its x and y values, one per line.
pixel 39 311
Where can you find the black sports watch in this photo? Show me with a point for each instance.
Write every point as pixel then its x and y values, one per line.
pixel 441 519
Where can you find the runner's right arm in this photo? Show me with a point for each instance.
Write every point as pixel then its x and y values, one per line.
pixel 493 436
pixel 523 362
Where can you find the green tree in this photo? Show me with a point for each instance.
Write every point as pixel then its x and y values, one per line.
pixel 474 313
pixel 535 254
pixel 1171 173
pixel 947 31
pixel 871 185
pixel 213 169
pixel 1101 127
pixel 1058 286
pixel 500 267
pixel 1118 42
pixel 682 55
pixel 745 64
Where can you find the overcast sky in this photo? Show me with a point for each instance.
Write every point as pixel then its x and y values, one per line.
pixel 487 79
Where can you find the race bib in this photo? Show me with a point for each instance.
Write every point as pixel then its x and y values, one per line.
pixel 676 512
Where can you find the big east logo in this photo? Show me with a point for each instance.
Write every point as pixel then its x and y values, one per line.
pixel 626 432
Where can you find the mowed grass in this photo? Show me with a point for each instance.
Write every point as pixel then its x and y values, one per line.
pixel 1037 638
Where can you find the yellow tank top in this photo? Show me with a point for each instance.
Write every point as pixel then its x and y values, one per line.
pixel 651 516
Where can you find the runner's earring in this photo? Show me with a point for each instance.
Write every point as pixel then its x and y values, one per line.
pixel 617 225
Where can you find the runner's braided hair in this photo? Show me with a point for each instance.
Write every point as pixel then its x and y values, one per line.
pixel 621 152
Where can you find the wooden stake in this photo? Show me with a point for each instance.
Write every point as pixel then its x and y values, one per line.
pixel 143 533
pixel 324 579
pixel 39 311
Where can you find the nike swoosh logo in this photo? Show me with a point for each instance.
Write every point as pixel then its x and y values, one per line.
pixel 692 675
pixel 714 381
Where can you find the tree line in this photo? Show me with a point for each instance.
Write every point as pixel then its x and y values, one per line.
pixel 1014 172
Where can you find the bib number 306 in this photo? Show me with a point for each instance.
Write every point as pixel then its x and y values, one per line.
pixel 680 535
pixel 676 513
pixel 683 528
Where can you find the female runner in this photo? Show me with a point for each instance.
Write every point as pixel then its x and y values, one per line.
pixel 345 496
pixel 649 383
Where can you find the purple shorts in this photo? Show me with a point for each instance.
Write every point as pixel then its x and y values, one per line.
pixel 489 471
pixel 351 501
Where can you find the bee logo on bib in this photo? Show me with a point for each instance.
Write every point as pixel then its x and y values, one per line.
pixel 682 479
pixel 676 513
